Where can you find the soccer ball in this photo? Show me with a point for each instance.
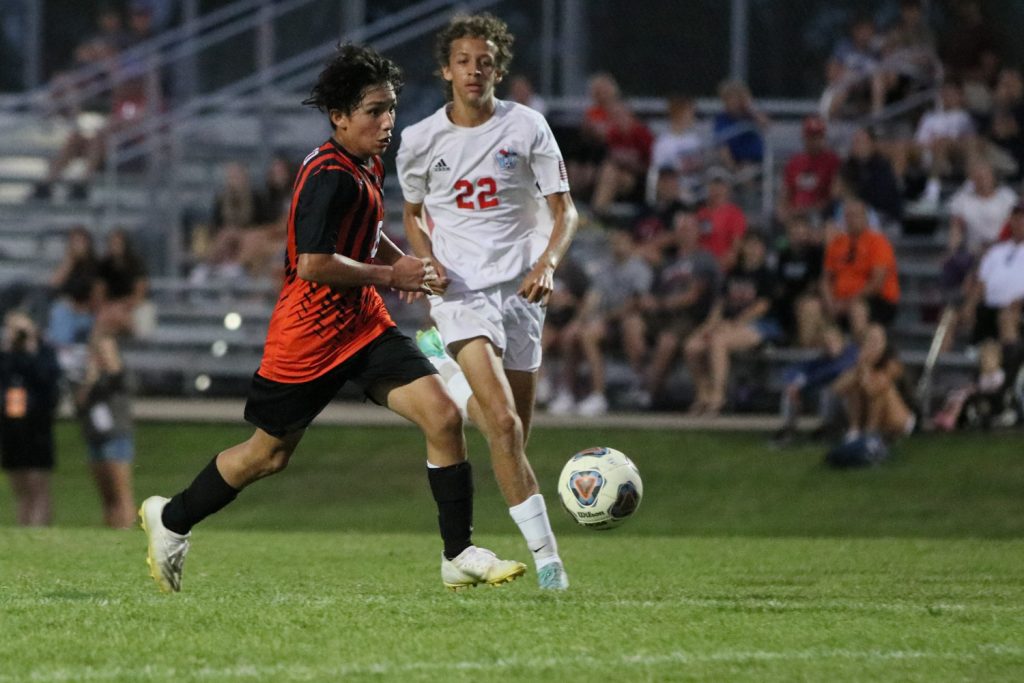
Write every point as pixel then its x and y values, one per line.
pixel 600 488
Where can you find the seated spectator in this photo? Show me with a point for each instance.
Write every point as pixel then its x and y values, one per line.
pixel 908 56
pixel 944 139
pixel 805 378
pixel 968 41
pixel 1005 125
pixel 860 283
pixel 995 300
pixel 796 303
pixel 236 211
pixel 652 230
pixel 808 178
pixel 680 147
pixel 520 90
pixel 262 247
pixel 608 307
pixel 978 211
pixel 570 288
pixel 850 71
pixel 584 149
pixel 678 304
pixel 123 274
pixel 739 321
pixel 737 128
pixel 722 223
pixel 79 291
pixel 867 174
pixel 623 172
pixel 870 391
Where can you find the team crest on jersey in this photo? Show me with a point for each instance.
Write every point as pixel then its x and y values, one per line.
pixel 507 159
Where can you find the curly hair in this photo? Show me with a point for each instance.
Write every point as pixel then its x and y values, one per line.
pixel 484 25
pixel 352 71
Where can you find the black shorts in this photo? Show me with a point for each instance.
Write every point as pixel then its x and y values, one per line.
pixel 280 409
pixel 881 310
pixel 986 324
pixel 26 447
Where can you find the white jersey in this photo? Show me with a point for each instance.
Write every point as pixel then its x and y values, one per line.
pixel 484 188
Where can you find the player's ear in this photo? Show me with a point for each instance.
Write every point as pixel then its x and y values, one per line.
pixel 498 78
pixel 446 73
pixel 338 119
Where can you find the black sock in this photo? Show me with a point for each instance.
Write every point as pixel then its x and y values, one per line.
pixel 453 490
pixel 207 493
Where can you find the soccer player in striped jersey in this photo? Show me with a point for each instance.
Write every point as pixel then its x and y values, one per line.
pixel 330 326
pixel 491 178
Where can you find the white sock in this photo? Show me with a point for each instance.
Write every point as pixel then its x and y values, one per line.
pixel 532 518
pixel 455 380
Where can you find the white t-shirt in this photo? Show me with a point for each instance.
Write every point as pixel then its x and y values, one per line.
pixel 1002 272
pixel 484 189
pixel 680 151
pixel 983 217
pixel 940 124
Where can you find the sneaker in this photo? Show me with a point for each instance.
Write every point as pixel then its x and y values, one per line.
pixel 553 577
pixel 562 404
pixel 167 550
pixel 594 405
pixel 475 565
pixel 430 343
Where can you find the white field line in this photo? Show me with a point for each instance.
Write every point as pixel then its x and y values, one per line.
pixel 302 672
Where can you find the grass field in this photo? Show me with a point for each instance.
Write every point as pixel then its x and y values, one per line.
pixel 743 563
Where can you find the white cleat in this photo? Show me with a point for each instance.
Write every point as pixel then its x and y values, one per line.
pixel 553 577
pixel 166 553
pixel 475 565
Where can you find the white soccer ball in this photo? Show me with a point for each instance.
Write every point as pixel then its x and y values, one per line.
pixel 600 488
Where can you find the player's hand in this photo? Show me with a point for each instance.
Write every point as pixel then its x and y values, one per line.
pixel 441 280
pixel 538 283
pixel 411 274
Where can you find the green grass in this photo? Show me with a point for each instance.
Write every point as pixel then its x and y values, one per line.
pixel 743 563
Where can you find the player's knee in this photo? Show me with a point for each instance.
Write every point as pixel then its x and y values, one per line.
pixel 445 419
pixel 505 422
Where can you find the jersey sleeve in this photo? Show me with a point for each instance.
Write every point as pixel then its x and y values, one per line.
pixel 324 195
pixel 412 170
pixel 546 160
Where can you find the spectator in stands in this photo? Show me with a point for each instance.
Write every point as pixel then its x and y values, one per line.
pixel 965 46
pixel 79 291
pixel 652 230
pixel 123 274
pixel 28 379
pixel 944 138
pixel 678 304
pixel 1005 125
pixel 722 223
pixel 103 405
pixel 860 283
pixel 623 173
pixel 571 285
pixel 109 39
pixel 261 247
pixel 995 298
pixel 809 176
pixel 870 391
pixel 277 190
pixel 609 305
pixel 739 321
pixel 680 147
pixel 851 70
pixel 796 302
pixel 236 211
pixel 520 90
pixel 585 149
pixel 868 174
pixel 737 128
pixel 140 21
pixel 805 378
pixel 978 211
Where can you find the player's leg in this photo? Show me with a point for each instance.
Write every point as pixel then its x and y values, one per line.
pixel 425 402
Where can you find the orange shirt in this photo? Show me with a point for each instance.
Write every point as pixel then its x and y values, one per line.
pixel 849 264
pixel 337 208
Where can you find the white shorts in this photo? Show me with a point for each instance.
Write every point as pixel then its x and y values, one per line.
pixel 498 313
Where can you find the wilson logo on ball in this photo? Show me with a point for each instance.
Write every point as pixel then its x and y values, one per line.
pixel 585 486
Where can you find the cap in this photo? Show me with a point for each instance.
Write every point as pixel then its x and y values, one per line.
pixel 814 125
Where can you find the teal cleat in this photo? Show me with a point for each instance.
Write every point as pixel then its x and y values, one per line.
pixel 553 577
pixel 430 343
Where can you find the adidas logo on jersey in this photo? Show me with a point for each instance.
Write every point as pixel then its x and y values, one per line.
pixel 441 167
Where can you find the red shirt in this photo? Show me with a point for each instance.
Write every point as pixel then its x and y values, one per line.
pixel 337 207
pixel 809 178
pixel 720 228
pixel 637 138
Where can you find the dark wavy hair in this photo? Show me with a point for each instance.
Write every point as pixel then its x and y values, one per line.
pixel 352 71
pixel 484 25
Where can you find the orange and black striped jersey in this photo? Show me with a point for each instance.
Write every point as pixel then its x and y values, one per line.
pixel 337 207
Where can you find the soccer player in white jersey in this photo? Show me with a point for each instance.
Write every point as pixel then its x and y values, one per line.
pixel 491 177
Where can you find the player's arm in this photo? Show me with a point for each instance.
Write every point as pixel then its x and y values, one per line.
pixel 538 283
pixel 418 236
pixel 407 273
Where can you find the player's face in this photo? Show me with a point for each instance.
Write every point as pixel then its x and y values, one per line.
pixel 367 129
pixel 471 70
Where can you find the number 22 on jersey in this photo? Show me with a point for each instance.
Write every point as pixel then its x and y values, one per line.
pixel 482 195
